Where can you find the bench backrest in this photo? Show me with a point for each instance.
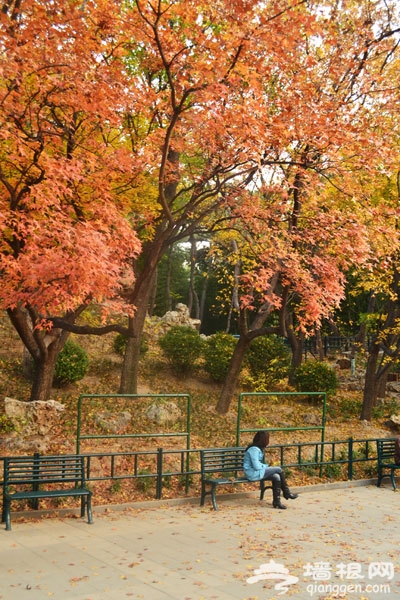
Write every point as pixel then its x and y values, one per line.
pixel 222 460
pixel 386 448
pixel 36 470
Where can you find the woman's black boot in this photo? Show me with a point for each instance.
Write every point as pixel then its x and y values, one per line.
pixel 287 494
pixel 276 495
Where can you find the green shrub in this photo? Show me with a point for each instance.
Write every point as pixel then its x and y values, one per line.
pixel 333 471
pixel 308 468
pixel 119 344
pixel 217 352
pixel 268 359
pixel 145 482
pixel 115 487
pixel 182 347
pixel 349 408
pixel 385 409
pixel 316 376
pixel 6 424
pixel 72 364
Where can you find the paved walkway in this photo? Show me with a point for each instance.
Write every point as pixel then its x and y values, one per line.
pixel 349 537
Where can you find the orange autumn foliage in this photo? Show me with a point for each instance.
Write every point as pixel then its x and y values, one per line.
pixel 166 116
pixel 65 235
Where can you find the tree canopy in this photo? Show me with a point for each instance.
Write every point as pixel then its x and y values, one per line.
pixel 157 120
pixel 66 239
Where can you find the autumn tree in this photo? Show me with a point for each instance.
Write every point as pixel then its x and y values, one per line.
pixel 66 241
pixel 174 111
pixel 201 118
pixel 340 86
pixel 381 281
pixel 384 346
pixel 223 93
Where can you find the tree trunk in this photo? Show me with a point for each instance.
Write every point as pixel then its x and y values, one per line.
pixel 43 347
pixel 27 364
pixel 140 300
pixel 381 384
pixel 168 297
pixel 296 345
pixel 320 345
pixel 153 295
pixel 141 293
pixel 130 366
pixel 193 297
pixel 247 334
pixel 229 388
pixel 203 298
pixel 376 374
pixel 43 373
pixel 362 340
pixel 370 390
pixel 296 341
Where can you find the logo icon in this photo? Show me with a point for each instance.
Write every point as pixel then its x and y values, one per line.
pixel 273 570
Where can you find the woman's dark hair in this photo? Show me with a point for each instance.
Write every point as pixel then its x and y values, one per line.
pixel 261 440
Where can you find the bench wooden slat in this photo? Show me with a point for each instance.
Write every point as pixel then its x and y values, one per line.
pixel 223 466
pixel 386 460
pixel 28 478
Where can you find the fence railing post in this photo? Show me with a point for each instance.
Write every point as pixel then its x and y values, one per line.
pixel 159 473
pixel 350 463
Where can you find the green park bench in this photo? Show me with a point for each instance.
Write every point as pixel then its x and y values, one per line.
pixel 386 460
pixel 34 477
pixel 221 466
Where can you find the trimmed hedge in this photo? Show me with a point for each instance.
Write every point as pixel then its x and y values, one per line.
pixel 182 346
pixel 72 364
pixel 217 352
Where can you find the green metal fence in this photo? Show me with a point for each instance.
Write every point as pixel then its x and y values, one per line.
pixel 124 466
pixel 114 401
pixel 102 399
pixel 303 456
pixel 264 396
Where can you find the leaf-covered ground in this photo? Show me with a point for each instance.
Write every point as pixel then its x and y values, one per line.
pixel 208 429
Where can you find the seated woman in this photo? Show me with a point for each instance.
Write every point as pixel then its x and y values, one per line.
pixel 256 470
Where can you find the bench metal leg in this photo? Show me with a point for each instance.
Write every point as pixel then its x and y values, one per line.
pixel 86 507
pixel 83 505
pixel 379 478
pixel 381 475
pixel 213 497
pixel 89 509
pixel 7 514
pixel 262 489
pixel 264 486
pixel 205 493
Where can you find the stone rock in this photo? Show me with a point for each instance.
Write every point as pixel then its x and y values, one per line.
pixel 311 419
pixel 353 386
pixel 113 422
pixel 394 420
pixel 155 327
pixel 16 444
pixel 163 412
pixel 344 363
pixel 180 316
pixel 393 386
pixel 36 418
